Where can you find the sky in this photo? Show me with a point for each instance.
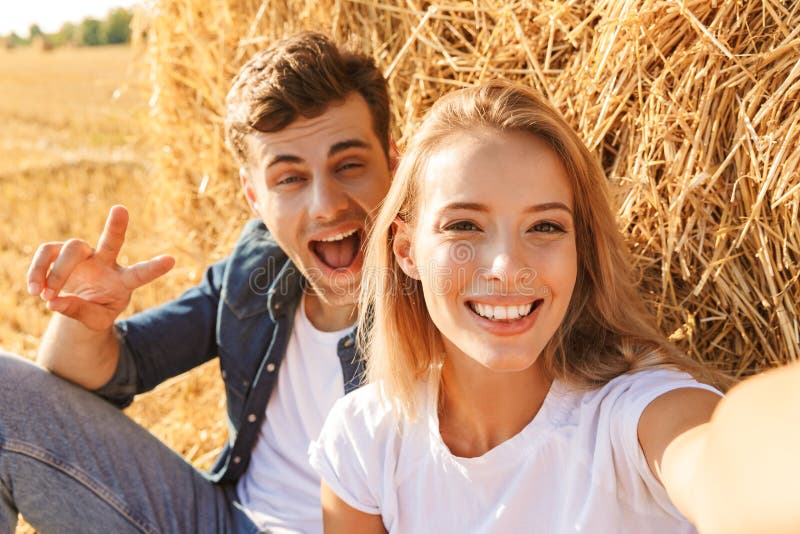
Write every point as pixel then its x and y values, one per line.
pixel 17 16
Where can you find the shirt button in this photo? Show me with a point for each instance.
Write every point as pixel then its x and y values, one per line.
pixel 251 418
pixel 270 367
pixel 237 459
pixel 348 343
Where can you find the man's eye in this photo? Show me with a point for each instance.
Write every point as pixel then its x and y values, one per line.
pixel 289 180
pixel 547 228
pixel 349 166
pixel 461 226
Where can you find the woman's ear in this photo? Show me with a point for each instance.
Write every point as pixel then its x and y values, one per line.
pixel 249 191
pixel 401 245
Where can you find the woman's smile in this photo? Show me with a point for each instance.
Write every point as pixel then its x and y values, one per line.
pixel 505 320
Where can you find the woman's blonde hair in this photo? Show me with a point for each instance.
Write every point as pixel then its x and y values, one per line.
pixel 607 330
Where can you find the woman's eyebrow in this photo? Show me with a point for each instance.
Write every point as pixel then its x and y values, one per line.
pixel 476 206
pixel 469 206
pixel 546 206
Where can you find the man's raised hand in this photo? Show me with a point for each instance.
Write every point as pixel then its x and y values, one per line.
pixel 87 284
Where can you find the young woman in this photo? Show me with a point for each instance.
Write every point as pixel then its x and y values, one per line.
pixel 517 383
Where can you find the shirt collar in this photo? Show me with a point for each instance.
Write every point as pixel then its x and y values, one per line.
pixel 285 291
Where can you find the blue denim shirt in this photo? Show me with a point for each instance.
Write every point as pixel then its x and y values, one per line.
pixel 242 312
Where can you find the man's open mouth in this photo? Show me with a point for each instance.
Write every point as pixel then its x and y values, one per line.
pixel 338 251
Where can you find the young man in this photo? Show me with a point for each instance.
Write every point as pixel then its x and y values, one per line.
pixel 308 123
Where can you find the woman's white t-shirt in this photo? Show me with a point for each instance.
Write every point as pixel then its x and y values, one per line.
pixel 576 467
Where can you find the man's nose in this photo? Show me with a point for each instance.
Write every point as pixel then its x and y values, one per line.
pixel 328 199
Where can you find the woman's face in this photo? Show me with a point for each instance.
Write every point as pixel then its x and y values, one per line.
pixel 493 245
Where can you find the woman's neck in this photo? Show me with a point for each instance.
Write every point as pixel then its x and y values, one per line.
pixel 479 408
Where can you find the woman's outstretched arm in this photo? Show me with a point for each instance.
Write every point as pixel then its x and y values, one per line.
pixel 738 471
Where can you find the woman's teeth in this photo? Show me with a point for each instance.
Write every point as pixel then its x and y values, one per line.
pixel 339 237
pixel 496 313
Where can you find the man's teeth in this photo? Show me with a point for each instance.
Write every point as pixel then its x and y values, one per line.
pixel 501 312
pixel 339 237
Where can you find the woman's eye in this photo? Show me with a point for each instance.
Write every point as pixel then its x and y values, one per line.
pixel 461 226
pixel 547 228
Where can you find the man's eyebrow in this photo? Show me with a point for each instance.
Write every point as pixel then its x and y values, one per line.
pixel 284 158
pixel 344 145
pixel 475 206
pixel 335 149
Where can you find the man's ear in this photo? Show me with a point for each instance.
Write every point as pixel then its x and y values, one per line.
pixel 401 246
pixel 394 155
pixel 249 190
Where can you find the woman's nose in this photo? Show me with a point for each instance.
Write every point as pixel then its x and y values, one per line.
pixel 500 266
pixel 508 269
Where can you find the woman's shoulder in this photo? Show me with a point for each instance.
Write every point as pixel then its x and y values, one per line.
pixel 367 414
pixel 625 397
pixel 368 403
pixel 358 448
pixel 646 383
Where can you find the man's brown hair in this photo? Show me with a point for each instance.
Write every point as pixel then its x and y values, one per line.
pixel 300 76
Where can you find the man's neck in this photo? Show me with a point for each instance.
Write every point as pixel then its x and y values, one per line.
pixel 327 316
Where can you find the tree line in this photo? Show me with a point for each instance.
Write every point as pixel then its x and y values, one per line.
pixel 115 28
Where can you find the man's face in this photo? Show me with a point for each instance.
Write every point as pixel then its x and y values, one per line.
pixel 315 185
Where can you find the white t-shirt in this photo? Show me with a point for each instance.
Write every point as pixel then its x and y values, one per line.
pixel 280 490
pixel 576 467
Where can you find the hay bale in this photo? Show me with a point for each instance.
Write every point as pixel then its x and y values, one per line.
pixel 41 43
pixel 692 106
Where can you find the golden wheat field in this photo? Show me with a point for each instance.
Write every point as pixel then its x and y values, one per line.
pixel 70 148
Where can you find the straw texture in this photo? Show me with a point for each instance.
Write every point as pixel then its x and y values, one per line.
pixel 693 107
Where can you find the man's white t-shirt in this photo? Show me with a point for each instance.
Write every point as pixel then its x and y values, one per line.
pixel 576 467
pixel 280 490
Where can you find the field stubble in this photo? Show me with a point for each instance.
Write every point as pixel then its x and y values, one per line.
pixel 71 147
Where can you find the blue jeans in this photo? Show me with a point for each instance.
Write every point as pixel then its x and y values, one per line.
pixel 71 462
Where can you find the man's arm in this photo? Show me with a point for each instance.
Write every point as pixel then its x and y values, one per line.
pixel 88 290
pixel 79 354
pixel 739 471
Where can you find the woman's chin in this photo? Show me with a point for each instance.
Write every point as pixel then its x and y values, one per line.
pixel 501 355
pixel 505 362
pixel 509 365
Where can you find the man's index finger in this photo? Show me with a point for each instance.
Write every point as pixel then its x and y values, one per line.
pixel 113 235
